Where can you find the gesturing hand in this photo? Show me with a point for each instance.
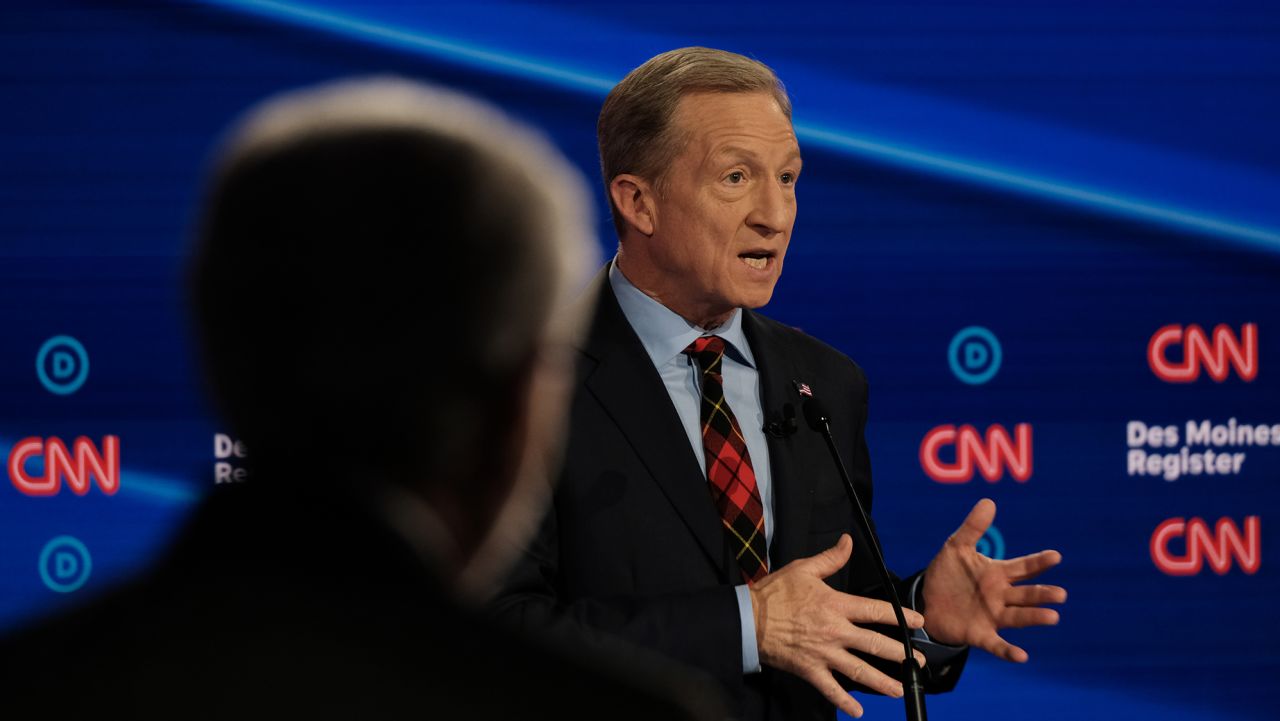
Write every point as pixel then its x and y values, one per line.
pixel 806 628
pixel 969 597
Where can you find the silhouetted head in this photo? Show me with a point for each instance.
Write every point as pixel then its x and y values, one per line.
pixel 380 287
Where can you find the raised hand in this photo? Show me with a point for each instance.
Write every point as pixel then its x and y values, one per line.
pixel 806 628
pixel 968 597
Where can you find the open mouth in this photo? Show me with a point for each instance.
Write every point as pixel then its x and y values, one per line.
pixel 758 259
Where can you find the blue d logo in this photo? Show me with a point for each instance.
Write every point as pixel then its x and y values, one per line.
pixel 974 355
pixel 62 365
pixel 991 544
pixel 65 564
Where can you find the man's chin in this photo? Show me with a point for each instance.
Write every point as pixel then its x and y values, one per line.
pixel 757 299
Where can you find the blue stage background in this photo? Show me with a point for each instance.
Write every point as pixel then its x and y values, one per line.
pixel 1070 176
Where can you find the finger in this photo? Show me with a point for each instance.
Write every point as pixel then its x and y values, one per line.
pixel 834 692
pixel 976 523
pixel 873 643
pixel 1001 648
pixel 833 559
pixel 860 672
pixel 1035 595
pixel 1025 567
pixel 1019 617
pixel 860 609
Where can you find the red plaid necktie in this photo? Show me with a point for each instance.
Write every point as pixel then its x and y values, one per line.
pixel 732 479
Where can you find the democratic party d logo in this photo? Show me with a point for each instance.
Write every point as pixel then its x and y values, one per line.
pixel 991 544
pixel 65 564
pixel 62 365
pixel 974 355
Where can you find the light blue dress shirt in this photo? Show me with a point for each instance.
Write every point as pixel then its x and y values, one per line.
pixel 665 335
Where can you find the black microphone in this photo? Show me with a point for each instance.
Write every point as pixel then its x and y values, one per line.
pixel 913 689
pixel 781 426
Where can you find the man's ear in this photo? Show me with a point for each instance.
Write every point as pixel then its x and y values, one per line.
pixel 633 199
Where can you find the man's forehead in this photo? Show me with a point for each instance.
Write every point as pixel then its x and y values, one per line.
pixel 706 107
pixel 732 151
pixel 730 122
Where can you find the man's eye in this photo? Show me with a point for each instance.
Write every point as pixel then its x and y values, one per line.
pixel 788 178
pixel 735 177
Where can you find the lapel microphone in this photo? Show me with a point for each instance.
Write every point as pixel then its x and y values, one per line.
pixel 815 414
pixel 781 425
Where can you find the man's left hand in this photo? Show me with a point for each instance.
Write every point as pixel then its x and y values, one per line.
pixel 968 597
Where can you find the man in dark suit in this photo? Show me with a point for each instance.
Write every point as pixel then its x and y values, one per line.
pixel 694 516
pixel 379 290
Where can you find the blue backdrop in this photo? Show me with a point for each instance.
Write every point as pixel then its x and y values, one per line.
pixel 1096 187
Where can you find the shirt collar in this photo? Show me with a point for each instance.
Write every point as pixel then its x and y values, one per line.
pixel 663 333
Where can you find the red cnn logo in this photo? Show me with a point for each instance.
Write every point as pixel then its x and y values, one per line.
pixel 992 454
pixel 1226 350
pixel 89 463
pixel 1218 548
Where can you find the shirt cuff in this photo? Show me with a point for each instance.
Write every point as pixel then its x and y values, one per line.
pixel 934 652
pixel 747 622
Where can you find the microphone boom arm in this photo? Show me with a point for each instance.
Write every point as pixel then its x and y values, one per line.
pixel 912 686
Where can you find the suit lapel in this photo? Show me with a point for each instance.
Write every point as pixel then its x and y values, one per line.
pixel 628 387
pixel 791 474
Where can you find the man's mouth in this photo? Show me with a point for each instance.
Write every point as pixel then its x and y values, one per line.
pixel 756 259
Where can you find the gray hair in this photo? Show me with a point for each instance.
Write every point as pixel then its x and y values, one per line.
pixel 414 246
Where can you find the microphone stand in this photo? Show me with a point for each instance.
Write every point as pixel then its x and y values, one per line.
pixel 912 686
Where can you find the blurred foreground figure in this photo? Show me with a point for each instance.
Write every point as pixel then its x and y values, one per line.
pixel 380 290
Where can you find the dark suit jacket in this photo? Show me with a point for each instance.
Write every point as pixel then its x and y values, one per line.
pixel 633 546
pixel 280 604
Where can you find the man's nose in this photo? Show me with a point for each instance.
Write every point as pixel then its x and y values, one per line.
pixel 774 209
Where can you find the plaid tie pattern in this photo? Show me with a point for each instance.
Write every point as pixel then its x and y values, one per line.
pixel 731 478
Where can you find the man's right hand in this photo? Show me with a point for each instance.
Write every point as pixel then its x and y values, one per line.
pixel 806 628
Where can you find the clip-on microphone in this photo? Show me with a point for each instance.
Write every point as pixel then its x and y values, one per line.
pixel 781 426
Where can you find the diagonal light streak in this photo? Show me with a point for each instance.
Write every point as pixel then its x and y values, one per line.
pixel 858 146
pixel 451 50
pixel 1043 187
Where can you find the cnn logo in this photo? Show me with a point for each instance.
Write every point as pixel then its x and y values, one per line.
pixel 78 466
pixel 1218 547
pixel 1226 350
pixel 991 455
